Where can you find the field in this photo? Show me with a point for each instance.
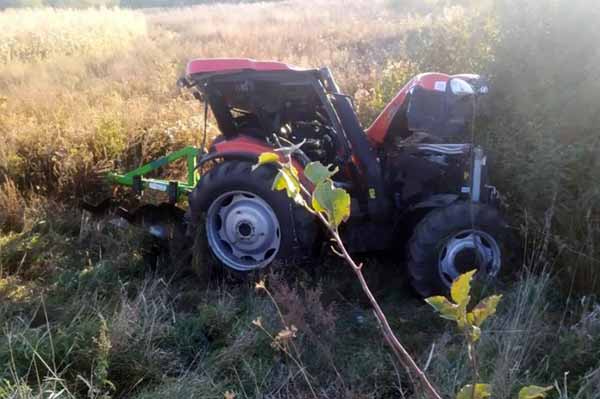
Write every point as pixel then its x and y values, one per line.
pixel 102 313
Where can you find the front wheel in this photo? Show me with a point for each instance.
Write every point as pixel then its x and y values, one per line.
pixel 453 240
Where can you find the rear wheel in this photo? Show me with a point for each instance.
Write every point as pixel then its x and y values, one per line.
pixel 453 240
pixel 243 230
pixel 247 225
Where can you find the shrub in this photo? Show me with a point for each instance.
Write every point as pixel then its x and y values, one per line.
pixel 457 40
pixel 371 102
pixel 544 132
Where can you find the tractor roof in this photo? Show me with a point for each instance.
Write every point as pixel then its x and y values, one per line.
pixel 220 65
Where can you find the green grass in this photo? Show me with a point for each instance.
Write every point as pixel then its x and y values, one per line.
pixel 101 326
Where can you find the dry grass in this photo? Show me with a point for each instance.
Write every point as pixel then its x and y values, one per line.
pixel 12 207
pixel 35 35
pixel 80 110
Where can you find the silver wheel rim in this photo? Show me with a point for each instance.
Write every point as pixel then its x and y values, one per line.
pixel 242 230
pixel 468 250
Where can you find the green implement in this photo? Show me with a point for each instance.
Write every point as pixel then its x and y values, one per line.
pixel 175 189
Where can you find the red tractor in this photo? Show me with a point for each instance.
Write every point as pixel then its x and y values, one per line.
pixel 411 180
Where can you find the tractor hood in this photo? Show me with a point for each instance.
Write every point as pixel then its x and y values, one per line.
pixel 437 104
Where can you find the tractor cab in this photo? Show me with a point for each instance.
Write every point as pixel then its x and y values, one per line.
pixel 277 104
pixel 265 98
pixel 270 101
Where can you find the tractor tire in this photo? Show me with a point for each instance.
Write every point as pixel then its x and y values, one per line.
pixel 452 240
pixel 247 225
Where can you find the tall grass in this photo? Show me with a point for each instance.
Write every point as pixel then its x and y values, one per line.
pixel 12 209
pixel 34 35
pixel 72 116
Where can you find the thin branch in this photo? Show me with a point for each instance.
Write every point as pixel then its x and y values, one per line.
pixel 428 362
pixel 401 353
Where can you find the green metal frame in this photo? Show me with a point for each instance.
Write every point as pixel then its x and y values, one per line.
pixel 189 153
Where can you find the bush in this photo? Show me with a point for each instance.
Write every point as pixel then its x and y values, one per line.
pixel 371 102
pixel 544 132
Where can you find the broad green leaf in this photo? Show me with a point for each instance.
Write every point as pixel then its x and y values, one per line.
pixel 316 172
pixel 444 307
pixel 484 309
pixel 284 181
pixel 335 202
pixel 287 179
pixel 461 288
pixel 266 157
pixel 534 392
pixel 482 391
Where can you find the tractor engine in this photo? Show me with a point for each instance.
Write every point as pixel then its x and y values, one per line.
pixel 280 114
pixel 415 172
pixel 424 152
pixel 318 139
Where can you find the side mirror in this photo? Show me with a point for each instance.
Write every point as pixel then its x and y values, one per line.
pixel 460 87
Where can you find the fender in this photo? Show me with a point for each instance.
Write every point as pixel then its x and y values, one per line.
pixel 245 148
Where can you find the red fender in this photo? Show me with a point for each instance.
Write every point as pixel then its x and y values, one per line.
pixel 245 145
pixel 240 144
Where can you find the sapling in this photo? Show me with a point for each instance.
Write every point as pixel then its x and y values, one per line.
pixel 469 322
pixel 317 193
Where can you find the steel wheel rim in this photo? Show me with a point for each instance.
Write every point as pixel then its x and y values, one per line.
pixel 474 246
pixel 242 230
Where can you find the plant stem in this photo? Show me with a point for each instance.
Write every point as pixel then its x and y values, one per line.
pixel 401 353
pixel 474 365
pixel 296 361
